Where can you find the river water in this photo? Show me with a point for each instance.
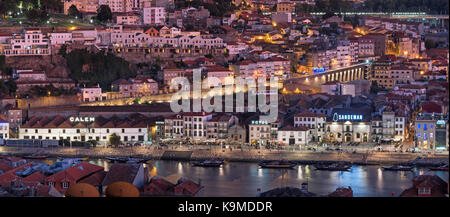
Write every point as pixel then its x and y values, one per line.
pixel 243 179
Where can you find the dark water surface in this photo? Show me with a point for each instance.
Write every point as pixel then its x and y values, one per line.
pixel 242 179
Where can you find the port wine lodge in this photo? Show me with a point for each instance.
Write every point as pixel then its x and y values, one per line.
pixel 84 129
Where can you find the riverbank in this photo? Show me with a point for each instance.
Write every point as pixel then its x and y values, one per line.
pixel 237 155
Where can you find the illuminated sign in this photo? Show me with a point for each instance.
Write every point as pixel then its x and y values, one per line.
pixel 259 122
pixel 82 119
pixel 318 70
pixel 440 122
pixel 337 117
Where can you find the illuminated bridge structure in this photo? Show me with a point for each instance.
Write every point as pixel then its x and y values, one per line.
pixel 345 74
pixel 394 15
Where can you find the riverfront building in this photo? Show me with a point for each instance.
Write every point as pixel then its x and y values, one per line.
pixel 431 132
pixel 314 122
pixel 84 129
pixel 290 136
pixel 4 129
pixel 348 125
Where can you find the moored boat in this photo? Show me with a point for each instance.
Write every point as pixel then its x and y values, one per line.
pixel 208 163
pixel 397 168
pixel 334 167
pixel 440 168
pixel 277 164
pixel 36 157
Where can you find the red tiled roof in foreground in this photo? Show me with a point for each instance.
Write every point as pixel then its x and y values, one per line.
pixel 437 186
pixel 72 175
pixel 187 187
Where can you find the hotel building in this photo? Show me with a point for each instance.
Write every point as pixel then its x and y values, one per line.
pixel 259 133
pixel 431 132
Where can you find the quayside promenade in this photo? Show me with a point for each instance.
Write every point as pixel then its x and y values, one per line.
pixel 246 155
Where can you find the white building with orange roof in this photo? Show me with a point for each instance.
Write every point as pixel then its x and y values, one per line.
pixel 293 136
pixel 84 129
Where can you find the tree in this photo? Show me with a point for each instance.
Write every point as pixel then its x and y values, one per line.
pixel 11 85
pixel 104 13
pixel 2 63
pixel 92 68
pixel 114 140
pixel 37 16
pixel 74 12
pixel 51 6
pixel 63 50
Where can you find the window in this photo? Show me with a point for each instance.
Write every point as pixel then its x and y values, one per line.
pixel 65 185
pixel 418 126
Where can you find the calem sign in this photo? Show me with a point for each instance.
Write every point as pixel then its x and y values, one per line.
pixel 82 119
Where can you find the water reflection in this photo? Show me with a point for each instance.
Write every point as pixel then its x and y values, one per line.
pixel 239 179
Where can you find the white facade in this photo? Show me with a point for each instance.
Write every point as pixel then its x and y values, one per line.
pixel 259 133
pixel 314 122
pixel 30 42
pixel 83 129
pixel 154 15
pixel 92 94
pixel 273 66
pixel 58 38
pixel 195 125
pixel 173 127
pixel 86 134
pixel 4 129
pixel 236 48
pixel 289 136
pixel 343 54
pixel 144 40
pixel 348 131
pixel 119 5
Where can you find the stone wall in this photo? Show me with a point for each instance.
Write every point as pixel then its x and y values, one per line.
pixel 48 101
